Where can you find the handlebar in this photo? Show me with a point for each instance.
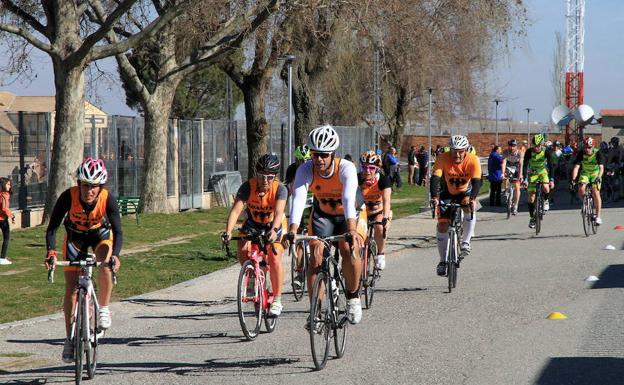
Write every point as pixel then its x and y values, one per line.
pixel 452 205
pixel 89 262
pixel 334 238
pixel 257 237
pixel 373 223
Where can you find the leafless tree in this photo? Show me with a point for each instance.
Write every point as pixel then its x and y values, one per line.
pixel 63 30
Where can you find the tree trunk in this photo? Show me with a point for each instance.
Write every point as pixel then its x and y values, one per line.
pixel 402 103
pixel 304 105
pixel 154 181
pixel 254 94
pixel 69 127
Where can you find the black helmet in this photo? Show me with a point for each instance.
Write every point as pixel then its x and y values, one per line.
pixel 615 141
pixel 512 142
pixel 268 164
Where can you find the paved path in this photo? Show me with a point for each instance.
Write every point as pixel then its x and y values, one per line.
pixel 491 330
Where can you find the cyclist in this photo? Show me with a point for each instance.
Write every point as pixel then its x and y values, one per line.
pixel 302 154
pixel 461 171
pixel 334 183
pixel 538 167
pixel 92 220
pixel 377 191
pixel 591 163
pixel 513 158
pixel 264 198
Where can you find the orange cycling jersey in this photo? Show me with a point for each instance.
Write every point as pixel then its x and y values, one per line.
pixel 373 193
pixel 261 209
pixel 78 219
pixel 328 191
pixel 457 175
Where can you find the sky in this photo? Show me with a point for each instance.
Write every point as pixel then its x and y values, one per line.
pixel 522 79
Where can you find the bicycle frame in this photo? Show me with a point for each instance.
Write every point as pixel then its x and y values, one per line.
pixel 257 257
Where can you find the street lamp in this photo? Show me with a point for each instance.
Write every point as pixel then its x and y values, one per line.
pixel 496 122
pixel 429 153
pixel 289 61
pixel 528 110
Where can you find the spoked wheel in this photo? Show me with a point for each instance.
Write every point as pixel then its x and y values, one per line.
pixel 586 215
pixel 592 216
pixel 510 200
pixel 298 250
pixel 320 321
pixel 451 266
pixel 79 338
pixel 369 285
pixel 250 301
pixel 340 311
pixel 270 322
pixel 538 213
pixel 92 341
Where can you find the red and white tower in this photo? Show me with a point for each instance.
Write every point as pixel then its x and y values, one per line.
pixel 575 58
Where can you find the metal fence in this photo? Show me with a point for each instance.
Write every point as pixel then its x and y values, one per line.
pixel 203 147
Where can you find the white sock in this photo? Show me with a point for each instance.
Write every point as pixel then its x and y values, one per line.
pixel 468 227
pixel 442 245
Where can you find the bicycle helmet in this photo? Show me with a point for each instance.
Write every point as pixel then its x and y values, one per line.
pixel 538 139
pixel 92 171
pixel 370 157
pixel 323 139
pixel 458 142
pixel 512 142
pixel 268 164
pixel 302 152
pixel 588 141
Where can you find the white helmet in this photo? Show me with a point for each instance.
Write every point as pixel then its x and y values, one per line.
pixel 323 139
pixel 458 142
pixel 92 171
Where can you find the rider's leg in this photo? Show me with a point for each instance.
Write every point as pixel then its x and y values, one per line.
pixel 531 200
pixel 597 201
pixel 581 191
pixel 103 252
pixel 314 264
pixel 71 276
pixel 277 269
pixel 442 237
pixel 351 266
pixel 468 225
pixel 516 187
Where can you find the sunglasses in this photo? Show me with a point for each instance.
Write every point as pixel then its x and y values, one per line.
pixel 369 168
pixel 322 155
pixel 266 177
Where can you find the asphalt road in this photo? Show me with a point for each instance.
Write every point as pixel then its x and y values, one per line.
pixel 491 330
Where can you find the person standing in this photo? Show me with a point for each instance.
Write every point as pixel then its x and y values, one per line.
pixel 495 175
pixel 412 166
pixel 5 213
pixel 423 164
pixel 395 170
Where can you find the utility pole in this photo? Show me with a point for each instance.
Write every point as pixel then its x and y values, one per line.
pixel 429 153
pixel 528 110
pixel 496 123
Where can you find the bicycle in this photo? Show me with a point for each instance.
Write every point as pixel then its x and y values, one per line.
pixel 300 251
pixel 254 298
pixel 370 272
pixel 453 256
pixel 587 211
pixel 85 330
pixel 328 306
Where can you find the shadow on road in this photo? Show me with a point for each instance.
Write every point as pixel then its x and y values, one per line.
pixel 522 237
pixel 179 302
pixel 611 277
pixel 582 371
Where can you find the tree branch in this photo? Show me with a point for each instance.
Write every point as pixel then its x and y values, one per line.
pixel 27 17
pixel 29 37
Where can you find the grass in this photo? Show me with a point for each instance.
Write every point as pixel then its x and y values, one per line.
pixel 15 355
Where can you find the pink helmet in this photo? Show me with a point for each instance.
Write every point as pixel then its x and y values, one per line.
pixel 92 171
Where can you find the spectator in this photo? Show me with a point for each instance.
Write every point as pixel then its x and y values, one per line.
pixel 495 175
pixel 384 161
pixel 423 164
pixel 394 167
pixel 5 214
pixel 349 158
pixel 412 166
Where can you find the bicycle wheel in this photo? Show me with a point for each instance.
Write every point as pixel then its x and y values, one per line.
pixel 340 313
pixel 585 214
pixel 592 216
pixel 320 321
pixel 269 321
pixel 510 200
pixel 298 290
pixel 78 337
pixel 92 340
pixel 373 274
pixel 451 267
pixel 250 302
pixel 538 211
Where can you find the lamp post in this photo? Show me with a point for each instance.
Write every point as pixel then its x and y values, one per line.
pixel 429 153
pixel 289 61
pixel 528 110
pixel 496 119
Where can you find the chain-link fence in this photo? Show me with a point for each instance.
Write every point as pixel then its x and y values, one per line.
pixel 201 148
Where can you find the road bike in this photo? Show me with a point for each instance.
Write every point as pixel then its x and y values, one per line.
pixel 254 294
pixel 85 331
pixel 370 272
pixel 587 211
pixel 510 192
pixel 299 254
pixel 328 306
pixel 453 255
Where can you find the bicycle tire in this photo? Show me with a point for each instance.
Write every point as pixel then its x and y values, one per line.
pixel 92 341
pixel 249 309
pixel 592 216
pixel 451 268
pixel 270 322
pixel 510 200
pixel 537 211
pixel 340 327
pixel 78 338
pixel 373 273
pixel 319 322
pixel 297 291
